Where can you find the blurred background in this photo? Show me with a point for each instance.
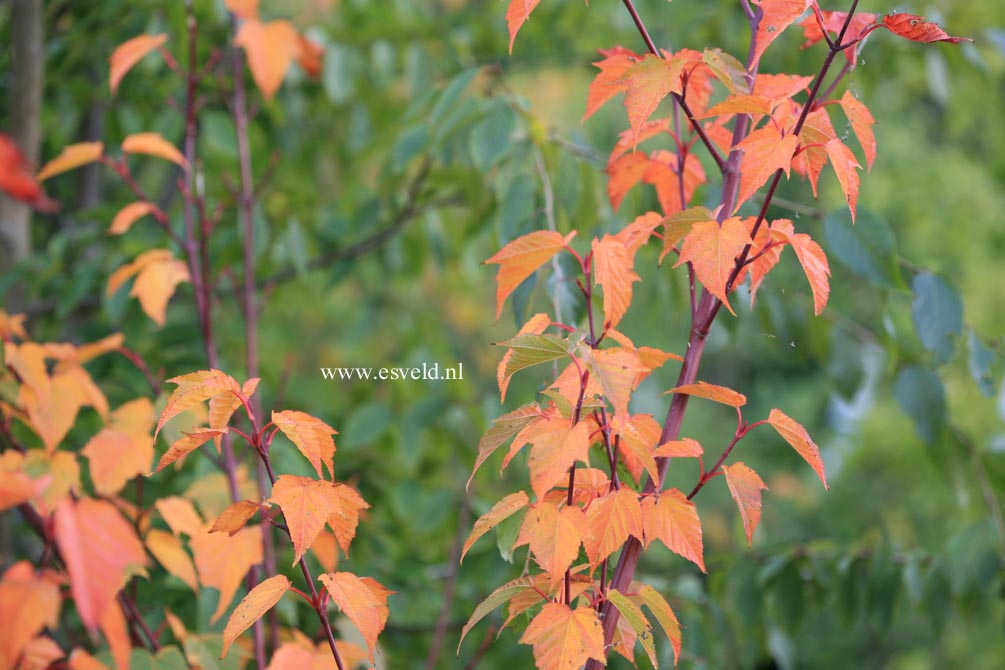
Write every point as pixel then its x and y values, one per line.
pixel 418 151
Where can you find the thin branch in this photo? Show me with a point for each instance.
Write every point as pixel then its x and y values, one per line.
pixel 450 583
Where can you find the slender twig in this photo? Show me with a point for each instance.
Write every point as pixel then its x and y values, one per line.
pixel 449 585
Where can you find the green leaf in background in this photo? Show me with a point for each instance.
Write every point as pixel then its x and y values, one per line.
pixel 979 361
pixel 920 394
pixel 490 138
pixel 937 312
pixel 867 247
pixel 168 658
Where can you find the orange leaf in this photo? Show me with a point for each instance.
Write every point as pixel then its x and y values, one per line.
pixel 40 653
pixel 81 660
pixel 765 151
pixel 658 605
pixel 554 451
pixel 516 14
pixel 780 86
pixel 325 549
pixel 17 180
pixel 311 58
pixel 610 80
pixel 100 550
pixel 613 270
pixel 624 173
pixel 302 654
pixel 554 536
pixel 117 457
pixel 797 437
pixel 637 233
pixel 816 132
pixel 270 48
pixel 712 250
pixel 235 517
pixel 534 326
pixel 128 215
pixel 153 144
pixel 861 124
pixel 844 163
pixel 71 157
pixel 565 639
pixel 778 15
pixel 29 602
pixel 672 518
pixel 128 54
pixel 259 600
pixel 361 599
pixel 612 520
pixel 639 435
pixel 170 553
pixel 223 561
pixel 116 632
pixel 502 429
pixel 683 448
pixel 765 257
pixel 180 515
pixel 346 505
pixel 755 105
pixel 811 256
pixel 745 486
pixel 915 28
pixel 726 396
pixel 157 274
pixel 647 83
pixel 499 512
pixel 312 436
pixel 616 370
pixel 306 505
pixel 245 9
pixel 522 257
pixel 188 443
pixel 193 389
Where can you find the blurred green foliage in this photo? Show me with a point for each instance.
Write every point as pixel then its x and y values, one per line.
pixel 421 125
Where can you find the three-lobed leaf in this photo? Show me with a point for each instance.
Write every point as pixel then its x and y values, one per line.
pixel 563 638
pixel 521 258
pixel 362 600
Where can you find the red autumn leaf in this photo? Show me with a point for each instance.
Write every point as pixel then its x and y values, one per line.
pixel 683 448
pixel 817 131
pixel 563 638
pixel 29 603
pixel 306 505
pixel 610 80
pixel 270 48
pixel 612 519
pixel 362 600
pixel 778 15
pixel 128 215
pixel 765 151
pixel 100 550
pixel 646 84
pixel 223 561
pixel 535 326
pixel 673 519
pixel 664 176
pixel 516 15
pixel 726 396
pixel 157 274
pixel 128 54
pixel 833 22
pixel 712 250
pixel 780 86
pixel 235 517
pixel 193 389
pixel 845 165
pixel 554 536
pixel 152 144
pixel 259 600
pixel 169 552
pixel 745 486
pixel 17 180
pixel 613 270
pixel 861 124
pixel 303 654
pixel 624 173
pixel 312 436
pixel 312 57
pixel 502 429
pixel 522 257
pixel 797 437
pixel 755 105
pixel 499 512
pixel 70 157
pixel 915 28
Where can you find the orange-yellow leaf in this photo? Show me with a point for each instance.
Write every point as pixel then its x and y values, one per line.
pixel 362 600
pixel 193 389
pixel 270 48
pixel 245 9
pixel 29 602
pixel 81 660
pixel 100 550
pixel 672 518
pixel 222 407
pixel 306 505
pixel 312 436
pixel 745 486
pixel 522 257
pixel 765 151
pixel 613 270
pixel 639 434
pixel 667 620
pixel 302 654
pixel 71 157
pixel 647 83
pixel 565 639
pixel 170 553
pixel 499 512
pixel 861 124
pixel 259 600
pixel 554 451
pixel 683 448
pixel 116 458
pixel 845 165
pixel 157 274
pixel 222 561
pixel 128 215
pixel 813 260
pixel 726 396
pixel 128 54
pixel 712 250
pixel 180 515
pixel 797 437
pixel 153 144
pixel 915 28
pixel 766 257
pixel 535 326
pixel 635 235
pixel 554 536
pixel 516 14
pixel 612 520
pixel 616 370
pixel 188 443
pixel 502 429
pixel 116 631
pixel 325 549
pixel 235 517
pixel 778 15
pixel 755 105
pixel 345 504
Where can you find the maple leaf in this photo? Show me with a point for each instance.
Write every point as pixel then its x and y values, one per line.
pixel 673 519
pixel 535 326
pixel 721 394
pixel 646 84
pixel 516 15
pixel 635 235
pixel 222 407
pixel 844 164
pixel 29 602
pixel 259 600
pixel 499 512
pixel 222 561
pixel 502 429
pixel 610 80
pixel 157 274
pixel 552 453
pixel 71 157
pixel 612 520
pixel 765 151
pixel 100 550
pixel 554 536
pixel 346 505
pixel 312 436
pixel 362 600
pixel 128 54
pixel 712 249
pixel 235 517
pixel 667 620
pixel 129 215
pixel 152 144
pixel 616 370
pixel 745 486
pixel 522 257
pixel 833 22
pixel 195 388
pixel 777 16
pixel 613 271
pixel 677 226
pixel 306 504
pixel 861 124
pixel 563 638
pixel 170 553
pixel 270 48
pixel 917 29
pixel 728 70
pixel 797 437
pixel 529 349
pixel 816 132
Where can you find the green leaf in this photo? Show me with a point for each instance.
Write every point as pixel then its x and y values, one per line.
pixel 979 361
pixel 633 615
pixel 728 70
pixel 529 350
pixel 168 658
pixel 500 596
pixel 867 248
pixel 490 138
pixel 919 392
pixel 937 312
